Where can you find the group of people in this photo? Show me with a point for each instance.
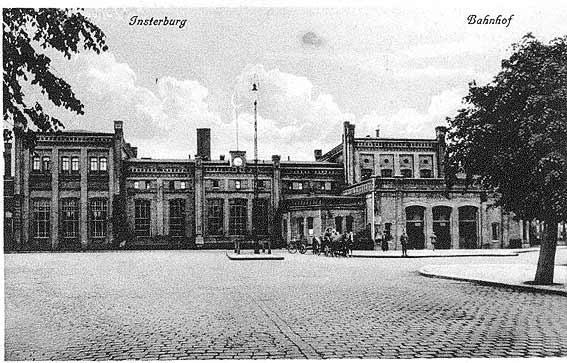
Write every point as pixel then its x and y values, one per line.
pixel 336 242
pixel 383 238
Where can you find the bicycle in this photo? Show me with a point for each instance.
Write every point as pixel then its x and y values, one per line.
pixel 293 246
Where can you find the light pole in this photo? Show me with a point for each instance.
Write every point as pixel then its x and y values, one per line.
pixel 255 197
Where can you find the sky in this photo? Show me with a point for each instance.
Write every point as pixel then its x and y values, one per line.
pixel 403 70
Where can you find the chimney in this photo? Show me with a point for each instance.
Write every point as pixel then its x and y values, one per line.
pixel 276 160
pixel 440 132
pixel 222 157
pixel 204 143
pixel 7 159
pixel 118 127
pixel 318 153
pixel 378 132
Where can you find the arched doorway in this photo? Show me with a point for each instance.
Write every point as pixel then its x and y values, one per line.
pixel 468 235
pixel 442 226
pixel 415 226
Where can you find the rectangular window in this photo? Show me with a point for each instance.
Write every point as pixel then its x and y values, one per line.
pixel 65 164
pixel 237 184
pixel 142 218
pixel 238 216
pixel 215 216
pixel 260 184
pixel 98 217
pixel 183 185
pixel 215 183
pixel 261 216
pixel 386 173
pixel 41 218
pixel 136 185
pixel 36 164
pixel 177 218
pixel 328 185
pixel 75 164
pixel 425 173
pixel 103 164
pixel 297 186
pixel 70 218
pixel 407 173
pixel 366 173
pixel 94 164
pixel 495 231
pixel 46 163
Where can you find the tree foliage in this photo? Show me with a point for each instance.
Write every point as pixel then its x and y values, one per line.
pixel 512 137
pixel 513 132
pixel 26 33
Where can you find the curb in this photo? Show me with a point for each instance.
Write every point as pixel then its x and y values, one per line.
pixel 521 287
pixel 254 258
pixel 439 256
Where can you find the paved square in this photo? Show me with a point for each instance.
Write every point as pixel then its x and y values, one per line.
pixel 200 305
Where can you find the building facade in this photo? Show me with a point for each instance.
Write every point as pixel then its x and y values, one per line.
pixel 85 190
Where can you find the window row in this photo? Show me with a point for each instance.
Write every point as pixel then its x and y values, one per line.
pixel 305 185
pixel 69 164
pixel 236 184
pixel 69 220
pixel 152 184
pixel 389 173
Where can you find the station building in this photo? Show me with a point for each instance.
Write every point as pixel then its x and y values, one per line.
pixel 89 190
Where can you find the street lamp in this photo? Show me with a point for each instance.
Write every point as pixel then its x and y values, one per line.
pixel 255 198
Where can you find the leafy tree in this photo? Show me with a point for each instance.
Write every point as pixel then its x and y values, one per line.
pixel 26 31
pixel 512 136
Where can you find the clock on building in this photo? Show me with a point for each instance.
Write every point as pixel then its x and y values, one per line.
pixel 237 161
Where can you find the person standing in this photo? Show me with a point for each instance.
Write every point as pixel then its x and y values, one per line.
pixel 404 242
pixel 378 241
pixel 433 240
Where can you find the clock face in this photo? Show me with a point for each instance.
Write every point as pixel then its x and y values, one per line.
pixel 237 161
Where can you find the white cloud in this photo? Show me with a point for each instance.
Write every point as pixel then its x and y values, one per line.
pixel 293 117
pixel 411 123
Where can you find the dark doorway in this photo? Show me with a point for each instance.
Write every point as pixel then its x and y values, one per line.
pixel 339 224
pixel 414 227
pixel 468 237
pixel 442 227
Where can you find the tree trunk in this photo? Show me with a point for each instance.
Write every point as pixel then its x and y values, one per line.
pixel 546 261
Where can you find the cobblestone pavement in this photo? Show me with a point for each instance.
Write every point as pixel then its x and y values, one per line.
pixel 200 305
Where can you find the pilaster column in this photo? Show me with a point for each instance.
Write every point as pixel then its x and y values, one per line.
pixel 55 199
pixel 226 217
pixel 428 227
pixel 84 165
pixel 400 220
pixel 159 208
pixel 199 201
pixel 455 228
pixel 288 221
pixel 415 165
pixel 25 196
pixel 111 185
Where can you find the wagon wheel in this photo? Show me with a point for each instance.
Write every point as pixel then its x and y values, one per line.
pixel 302 248
pixel 291 247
